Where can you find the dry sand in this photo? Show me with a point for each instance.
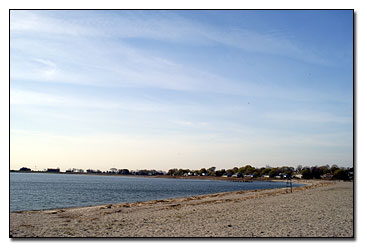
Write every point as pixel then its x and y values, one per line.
pixel 320 209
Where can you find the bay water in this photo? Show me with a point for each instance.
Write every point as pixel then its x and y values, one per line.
pixel 36 191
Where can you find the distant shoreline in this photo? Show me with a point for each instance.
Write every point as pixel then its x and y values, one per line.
pixel 172 177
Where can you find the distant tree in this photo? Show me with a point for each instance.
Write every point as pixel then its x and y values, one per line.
pixel 333 168
pixel 203 170
pixel 288 173
pixel 306 173
pixel 211 173
pixel 185 171
pixel 220 173
pixel 234 170
pixel 113 170
pixel 316 173
pixel 53 170
pixel 248 169
pixel 256 173
pixel 143 172
pixel 286 170
pixel 25 169
pixel 341 174
pixel 229 172
pixel 123 171
pixel 299 168
pixel 265 171
pixel 239 175
pixel 211 169
pixel 242 170
pixel 172 172
pixel 160 172
pixel 324 169
pixel 273 172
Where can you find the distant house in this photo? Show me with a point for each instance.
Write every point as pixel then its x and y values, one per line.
pixel 124 171
pixel 25 169
pixel 237 175
pixel 249 176
pixel 266 176
pixel 351 173
pixel 53 170
pixel 327 176
pixel 299 176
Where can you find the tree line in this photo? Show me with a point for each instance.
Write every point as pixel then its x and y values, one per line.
pixel 306 172
pixel 313 172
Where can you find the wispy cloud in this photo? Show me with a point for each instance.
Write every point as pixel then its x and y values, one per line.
pixel 86 52
pixel 43 22
pixel 97 64
pixel 23 97
pixel 194 124
pixel 273 44
pixel 160 26
pixel 309 117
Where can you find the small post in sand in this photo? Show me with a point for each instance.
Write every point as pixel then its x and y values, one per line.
pixel 288 183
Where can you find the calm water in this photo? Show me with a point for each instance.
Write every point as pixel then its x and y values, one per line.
pixel 48 191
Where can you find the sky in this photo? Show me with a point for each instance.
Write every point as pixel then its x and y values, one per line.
pixel 180 89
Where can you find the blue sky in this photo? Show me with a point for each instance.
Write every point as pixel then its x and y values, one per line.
pixel 185 89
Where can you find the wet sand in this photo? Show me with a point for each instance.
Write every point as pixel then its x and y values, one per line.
pixel 320 209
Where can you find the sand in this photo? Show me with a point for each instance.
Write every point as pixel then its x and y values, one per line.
pixel 320 209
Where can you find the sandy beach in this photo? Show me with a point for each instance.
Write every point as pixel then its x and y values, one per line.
pixel 320 209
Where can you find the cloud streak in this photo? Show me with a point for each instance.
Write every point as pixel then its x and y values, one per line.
pixel 87 53
pixel 22 97
pixel 159 26
pixel 309 117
